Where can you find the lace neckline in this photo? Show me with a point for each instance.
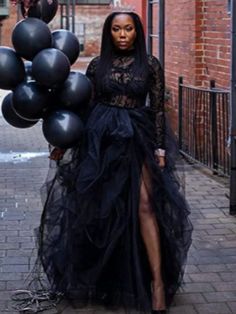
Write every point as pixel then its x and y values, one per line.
pixel 124 53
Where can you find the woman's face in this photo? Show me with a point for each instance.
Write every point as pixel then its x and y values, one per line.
pixel 123 31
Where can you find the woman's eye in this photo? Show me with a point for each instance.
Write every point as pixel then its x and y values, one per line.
pixel 129 29
pixel 115 29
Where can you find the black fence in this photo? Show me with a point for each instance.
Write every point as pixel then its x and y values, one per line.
pixel 204 126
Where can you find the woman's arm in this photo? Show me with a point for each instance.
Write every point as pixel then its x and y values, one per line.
pixel 156 95
pixel 57 153
pixel 91 74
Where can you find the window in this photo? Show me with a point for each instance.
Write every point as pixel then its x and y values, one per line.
pixel 80 34
pixel 3 3
pixel 229 6
pixel 4 10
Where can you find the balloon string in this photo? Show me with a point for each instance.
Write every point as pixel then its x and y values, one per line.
pixel 35 301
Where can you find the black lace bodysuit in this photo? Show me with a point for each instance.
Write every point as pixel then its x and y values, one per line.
pixel 123 89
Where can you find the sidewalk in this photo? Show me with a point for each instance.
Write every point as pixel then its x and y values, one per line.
pixel 210 279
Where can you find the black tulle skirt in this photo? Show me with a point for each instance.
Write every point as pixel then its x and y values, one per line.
pixel 90 244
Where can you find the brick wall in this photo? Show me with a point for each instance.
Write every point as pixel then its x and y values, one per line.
pixel 197 47
pixel 7 27
pixel 197 42
pixel 216 41
pixel 180 49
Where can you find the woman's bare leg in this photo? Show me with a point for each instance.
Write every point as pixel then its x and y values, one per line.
pixel 151 238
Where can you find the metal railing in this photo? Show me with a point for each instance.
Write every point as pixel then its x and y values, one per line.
pixel 204 126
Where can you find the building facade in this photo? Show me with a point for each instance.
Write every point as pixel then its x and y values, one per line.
pixel 88 20
pixel 197 36
pixel 197 43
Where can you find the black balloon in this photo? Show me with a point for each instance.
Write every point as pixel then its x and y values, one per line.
pixel 12 117
pixel 76 91
pixel 30 100
pixel 67 42
pixel 50 67
pixel 44 10
pixel 12 69
pixel 30 36
pixel 62 129
pixel 28 71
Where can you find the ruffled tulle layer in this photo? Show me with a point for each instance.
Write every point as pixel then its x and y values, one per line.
pixel 90 244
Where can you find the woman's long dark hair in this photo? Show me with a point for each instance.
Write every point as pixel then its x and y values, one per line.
pixel 108 49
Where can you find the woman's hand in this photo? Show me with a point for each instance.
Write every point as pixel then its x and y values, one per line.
pixel 57 154
pixel 162 161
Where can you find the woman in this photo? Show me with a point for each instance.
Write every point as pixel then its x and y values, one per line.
pixel 115 227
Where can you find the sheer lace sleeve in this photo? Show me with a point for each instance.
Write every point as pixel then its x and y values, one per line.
pixel 156 96
pixel 90 73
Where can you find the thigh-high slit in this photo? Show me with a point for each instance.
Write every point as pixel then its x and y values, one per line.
pixel 150 233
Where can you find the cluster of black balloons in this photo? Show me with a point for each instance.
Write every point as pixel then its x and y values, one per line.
pixel 38 71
